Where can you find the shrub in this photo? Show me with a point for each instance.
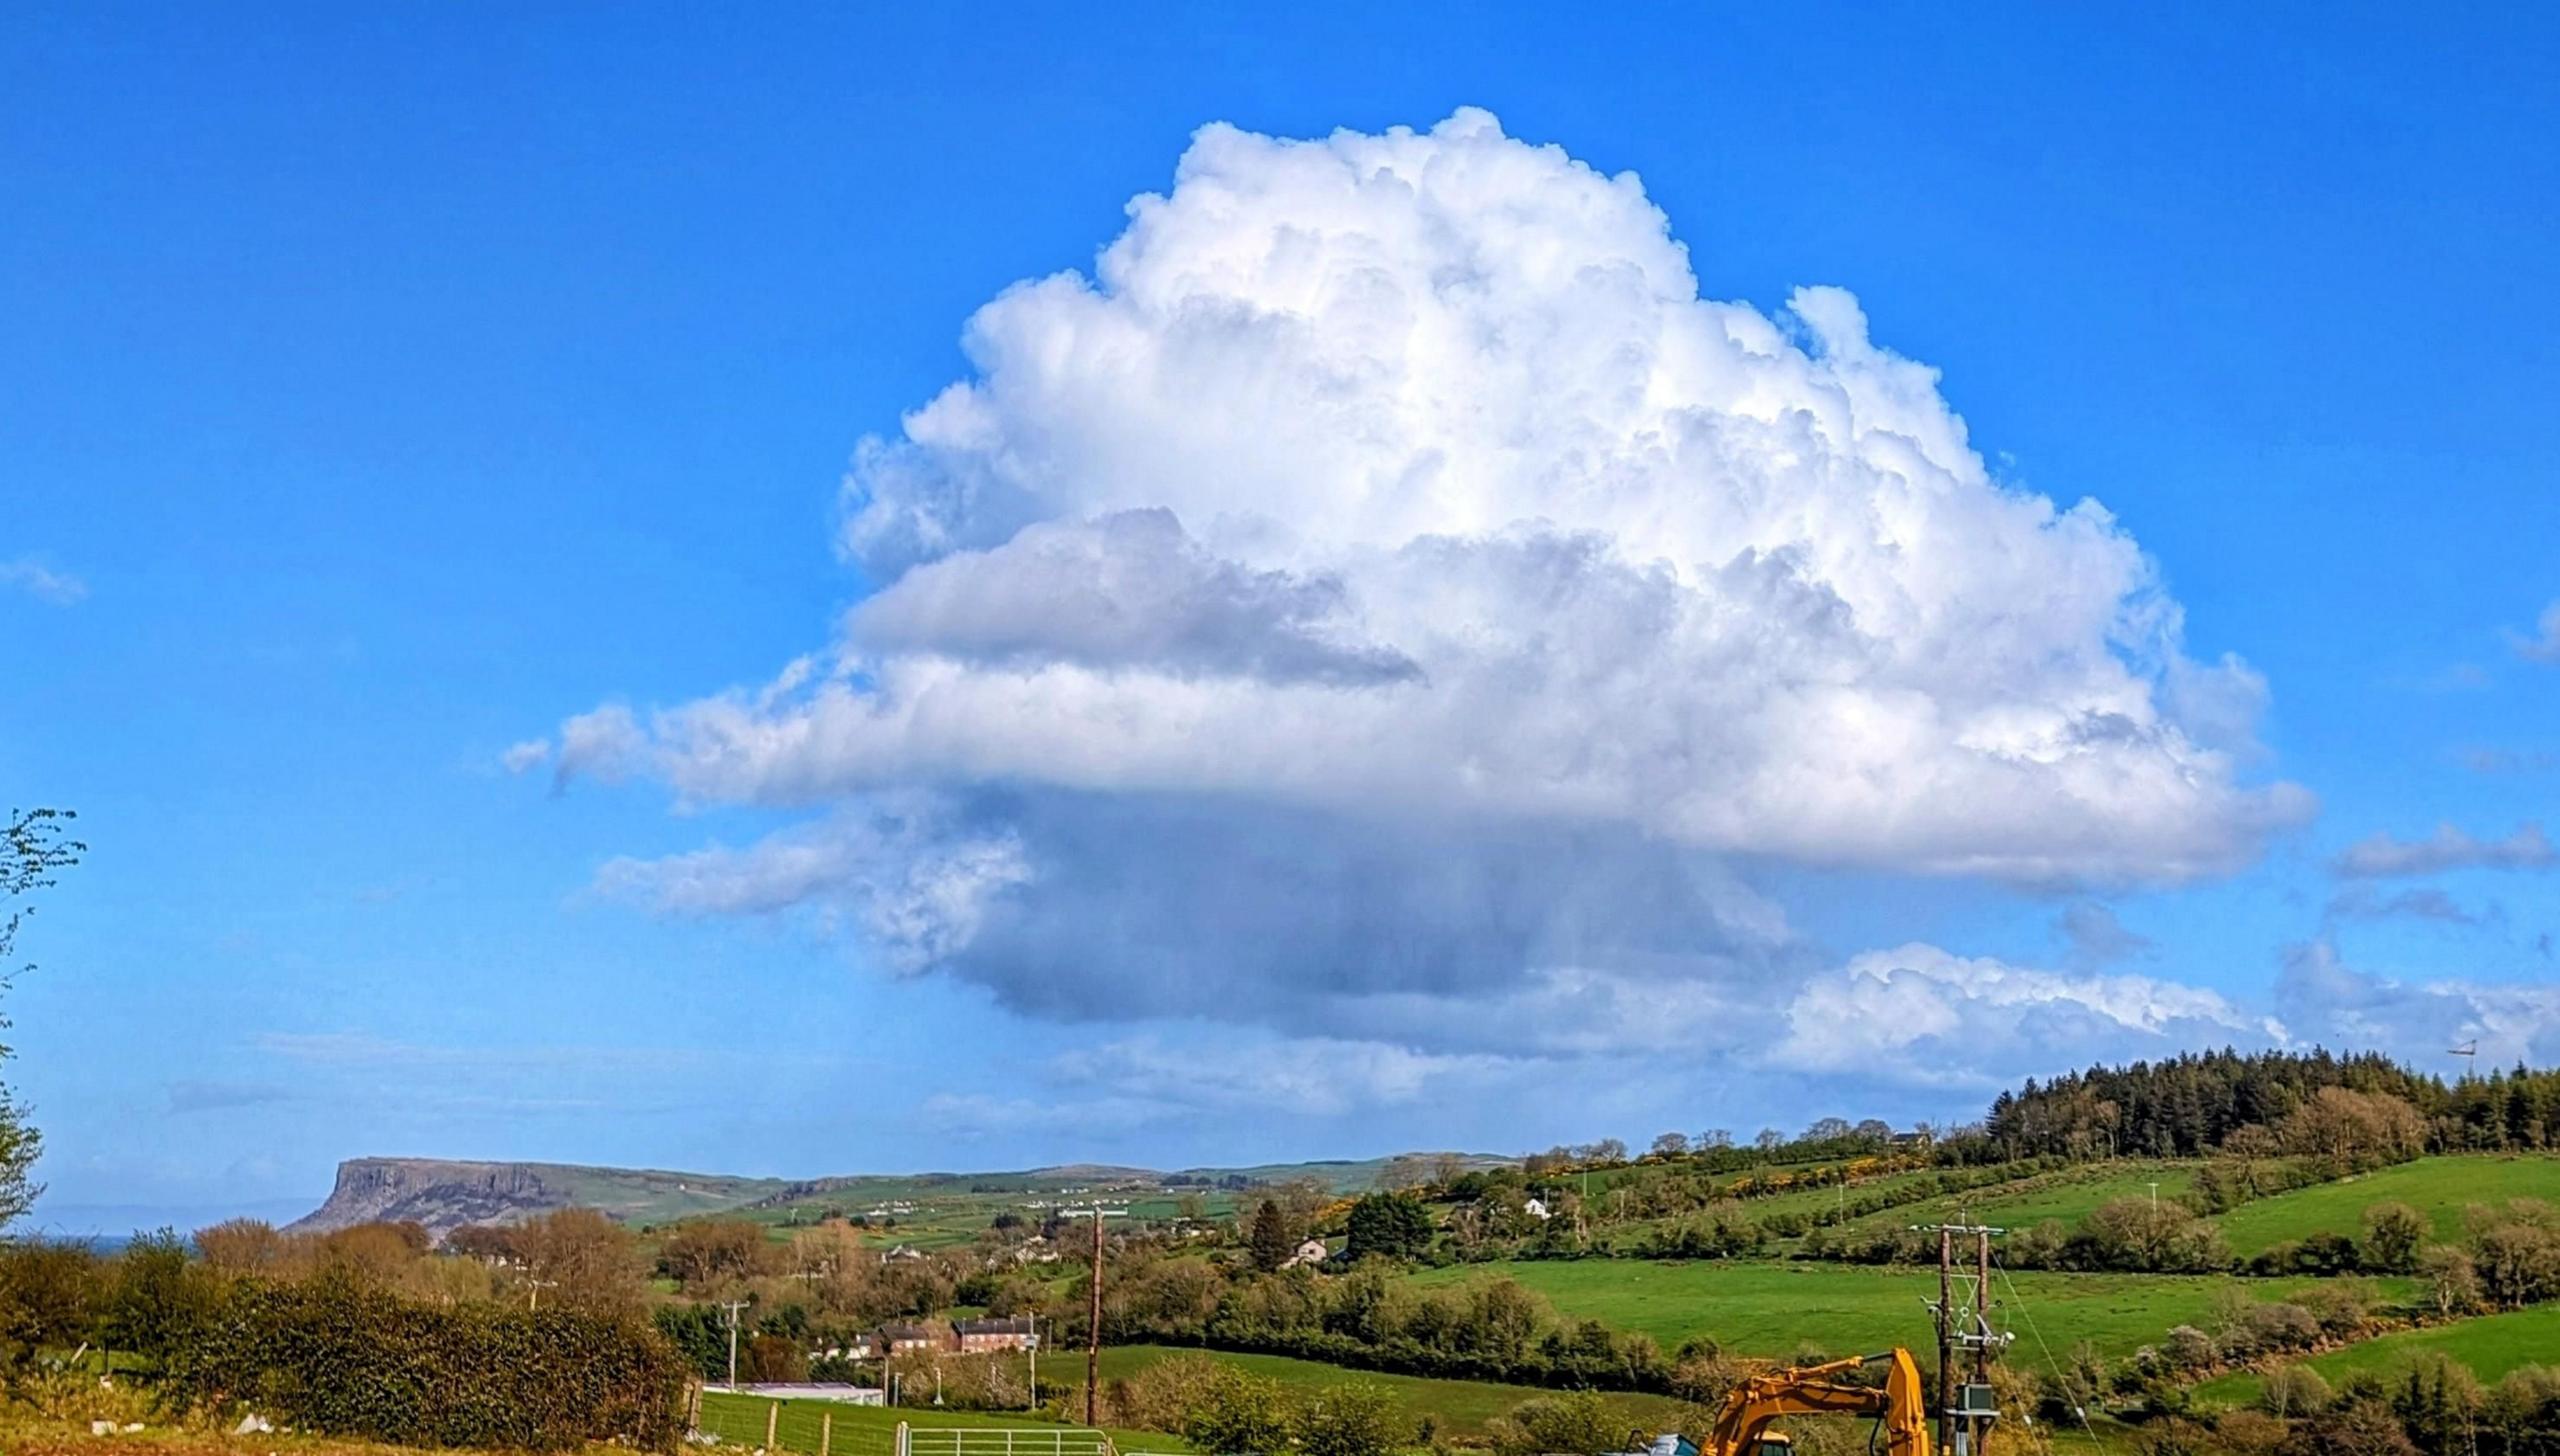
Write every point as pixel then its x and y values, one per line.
pixel 2187 1348
pixel 2174 1436
pixel 329 1355
pixel 1576 1424
pixel 2325 1254
pixel 1355 1418
pixel 2392 1233
pixel 2251 1433
pixel 2340 1305
pixel 1238 1413
pixel 2275 1328
pixel 2294 1390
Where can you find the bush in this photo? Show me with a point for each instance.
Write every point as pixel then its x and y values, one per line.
pixel 1578 1424
pixel 48 1292
pixel 2392 1234
pixel 1355 1418
pixel 328 1355
pixel 2271 1329
pixel 2188 1349
pixel 1238 1415
pixel 2294 1390
pixel 1165 1394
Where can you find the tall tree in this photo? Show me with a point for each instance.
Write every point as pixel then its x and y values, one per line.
pixel 35 847
pixel 1271 1241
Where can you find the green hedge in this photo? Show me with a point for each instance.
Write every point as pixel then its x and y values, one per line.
pixel 329 1356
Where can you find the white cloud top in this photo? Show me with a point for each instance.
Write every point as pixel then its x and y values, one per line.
pixel 1411 474
pixel 1922 1015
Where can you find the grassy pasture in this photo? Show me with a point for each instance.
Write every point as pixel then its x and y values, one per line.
pixel 2491 1346
pixel 872 1430
pixel 1820 1200
pixel 2440 1188
pixel 1457 1406
pixel 1775 1309
pixel 2033 1200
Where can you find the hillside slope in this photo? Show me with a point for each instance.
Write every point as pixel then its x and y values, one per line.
pixel 445 1194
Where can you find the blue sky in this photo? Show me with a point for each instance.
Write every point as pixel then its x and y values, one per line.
pixel 383 393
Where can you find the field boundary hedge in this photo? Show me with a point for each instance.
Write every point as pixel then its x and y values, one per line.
pixel 329 1356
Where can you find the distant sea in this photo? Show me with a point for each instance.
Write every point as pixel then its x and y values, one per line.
pixel 110 1226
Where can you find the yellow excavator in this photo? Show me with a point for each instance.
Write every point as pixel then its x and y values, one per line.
pixel 1901 1404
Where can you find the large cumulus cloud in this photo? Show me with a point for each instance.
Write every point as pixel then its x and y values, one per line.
pixel 1387 583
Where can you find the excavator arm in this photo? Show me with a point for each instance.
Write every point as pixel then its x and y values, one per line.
pixel 1902 1404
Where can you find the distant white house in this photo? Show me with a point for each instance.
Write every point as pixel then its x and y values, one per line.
pixel 1536 1208
pixel 1310 1254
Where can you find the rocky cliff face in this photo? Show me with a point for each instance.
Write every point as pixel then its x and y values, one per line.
pixel 441 1195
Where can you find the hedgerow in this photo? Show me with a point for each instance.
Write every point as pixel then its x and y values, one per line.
pixel 327 1355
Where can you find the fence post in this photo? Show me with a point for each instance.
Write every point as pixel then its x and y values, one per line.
pixel 826 1433
pixel 902 1440
pixel 772 1421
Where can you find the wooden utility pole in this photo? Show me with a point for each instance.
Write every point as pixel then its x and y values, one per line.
pixel 1946 1339
pixel 733 1306
pixel 1964 1327
pixel 1982 1321
pixel 1093 1328
pixel 1093 1317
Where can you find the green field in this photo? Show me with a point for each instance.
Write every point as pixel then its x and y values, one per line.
pixel 871 1430
pixel 2491 1346
pixel 1774 1309
pixel 1457 1406
pixel 1811 1201
pixel 2065 1197
pixel 2438 1187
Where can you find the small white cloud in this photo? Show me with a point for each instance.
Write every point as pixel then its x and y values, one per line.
pixel 2544 644
pixel 55 588
pixel 604 744
pixel 524 757
pixel 2449 848
pixel 2484 760
pixel 2364 902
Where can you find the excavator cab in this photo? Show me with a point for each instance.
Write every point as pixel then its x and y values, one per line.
pixel 1775 1443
